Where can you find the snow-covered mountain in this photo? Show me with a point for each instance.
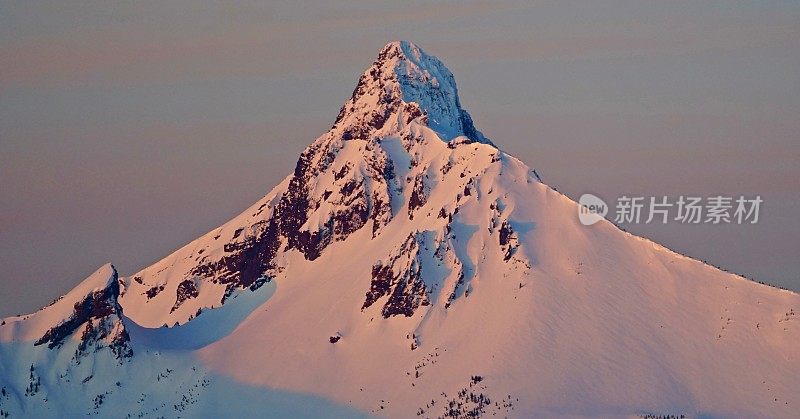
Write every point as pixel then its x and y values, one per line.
pixel 409 267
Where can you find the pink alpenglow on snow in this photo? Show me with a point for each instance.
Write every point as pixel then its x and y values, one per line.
pixel 409 267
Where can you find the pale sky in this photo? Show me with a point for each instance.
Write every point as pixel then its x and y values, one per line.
pixel 127 129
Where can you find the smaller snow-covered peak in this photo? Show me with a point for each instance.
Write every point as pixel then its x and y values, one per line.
pixel 103 278
pixel 402 85
pixel 90 314
pixel 100 280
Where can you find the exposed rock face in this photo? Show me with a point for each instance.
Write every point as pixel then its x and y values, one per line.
pixel 186 290
pixel 401 279
pixel 244 263
pixel 98 319
pixel 423 267
pixel 405 84
pixel 152 292
pixel 419 195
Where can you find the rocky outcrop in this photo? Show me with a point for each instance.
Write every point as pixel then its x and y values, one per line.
pixel 405 84
pixel 186 290
pixel 423 268
pixel 97 318
pixel 400 278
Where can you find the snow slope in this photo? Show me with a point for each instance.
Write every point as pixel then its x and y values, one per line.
pixel 408 267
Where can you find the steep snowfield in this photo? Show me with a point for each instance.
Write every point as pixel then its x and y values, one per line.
pixel 604 323
pixel 410 268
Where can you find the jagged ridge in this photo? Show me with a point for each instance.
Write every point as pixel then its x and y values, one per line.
pixel 95 319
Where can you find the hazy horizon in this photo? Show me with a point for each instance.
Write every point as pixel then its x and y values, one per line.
pixel 129 129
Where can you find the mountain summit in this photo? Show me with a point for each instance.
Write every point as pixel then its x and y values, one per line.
pixel 404 84
pixel 409 267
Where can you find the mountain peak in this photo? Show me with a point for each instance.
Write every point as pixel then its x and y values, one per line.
pixel 86 319
pixel 404 84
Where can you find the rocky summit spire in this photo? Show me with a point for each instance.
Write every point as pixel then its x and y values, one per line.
pixel 405 84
